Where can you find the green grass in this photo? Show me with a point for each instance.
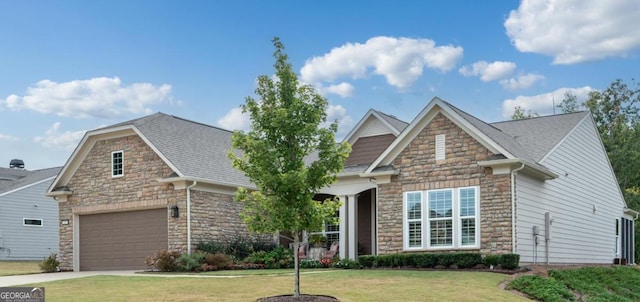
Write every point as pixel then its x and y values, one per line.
pixel 10 268
pixel 346 285
pixel 590 283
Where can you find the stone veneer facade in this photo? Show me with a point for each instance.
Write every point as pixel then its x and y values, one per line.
pixel 95 191
pixel 420 171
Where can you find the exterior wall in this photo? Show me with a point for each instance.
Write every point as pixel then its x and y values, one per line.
pixel 216 216
pixel 578 233
pixel 28 242
pixel 420 171
pixel 95 191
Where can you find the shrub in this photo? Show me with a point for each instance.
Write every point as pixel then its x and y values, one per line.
pixel 218 260
pixel 212 247
pixel 163 260
pixel 467 260
pixel 278 258
pixel 446 260
pixel 50 264
pixel 542 289
pixel 510 261
pixel 347 264
pixel 426 260
pixel 310 263
pixel 238 247
pixel 367 261
pixel 491 260
pixel 190 263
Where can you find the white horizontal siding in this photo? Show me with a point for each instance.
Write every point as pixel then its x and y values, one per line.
pixel 28 242
pixel 372 127
pixel 578 234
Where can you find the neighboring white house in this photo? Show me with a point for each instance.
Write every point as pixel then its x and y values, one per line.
pixel 28 218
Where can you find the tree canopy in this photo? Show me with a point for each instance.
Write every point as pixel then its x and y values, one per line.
pixel 289 155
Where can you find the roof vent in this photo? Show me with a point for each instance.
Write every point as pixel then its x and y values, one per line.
pixel 16 164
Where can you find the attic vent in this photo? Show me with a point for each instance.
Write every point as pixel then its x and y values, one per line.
pixel 440 150
pixel 16 164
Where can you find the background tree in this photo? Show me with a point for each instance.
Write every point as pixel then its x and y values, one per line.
pixel 286 131
pixel 569 103
pixel 519 113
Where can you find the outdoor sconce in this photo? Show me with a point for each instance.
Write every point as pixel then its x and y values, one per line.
pixel 175 212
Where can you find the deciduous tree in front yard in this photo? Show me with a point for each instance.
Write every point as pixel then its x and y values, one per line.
pixel 289 154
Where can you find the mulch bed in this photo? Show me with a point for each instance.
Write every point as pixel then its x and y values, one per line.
pixel 302 298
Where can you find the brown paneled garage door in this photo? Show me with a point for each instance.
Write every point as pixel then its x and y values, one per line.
pixel 122 240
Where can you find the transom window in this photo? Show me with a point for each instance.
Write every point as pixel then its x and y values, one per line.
pixel 32 222
pixel 117 169
pixel 450 221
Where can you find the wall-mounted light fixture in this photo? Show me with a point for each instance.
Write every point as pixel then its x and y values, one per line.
pixel 175 212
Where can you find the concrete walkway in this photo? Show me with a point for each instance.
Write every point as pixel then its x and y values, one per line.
pixel 6 281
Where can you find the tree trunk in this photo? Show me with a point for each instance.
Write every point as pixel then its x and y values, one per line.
pixel 296 265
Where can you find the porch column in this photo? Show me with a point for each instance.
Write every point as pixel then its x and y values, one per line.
pixel 353 218
pixel 343 227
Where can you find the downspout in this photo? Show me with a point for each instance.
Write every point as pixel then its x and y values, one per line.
pixel 189 216
pixel 513 208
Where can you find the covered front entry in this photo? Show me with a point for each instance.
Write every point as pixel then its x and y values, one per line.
pixel 121 240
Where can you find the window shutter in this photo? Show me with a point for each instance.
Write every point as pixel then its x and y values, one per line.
pixel 440 150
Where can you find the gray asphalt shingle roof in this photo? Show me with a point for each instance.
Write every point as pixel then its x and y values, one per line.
pixel 527 139
pixel 539 135
pixel 396 123
pixel 11 179
pixel 195 149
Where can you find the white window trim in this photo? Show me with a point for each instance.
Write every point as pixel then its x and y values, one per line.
pixel 32 225
pixel 112 163
pixel 426 225
pixel 405 220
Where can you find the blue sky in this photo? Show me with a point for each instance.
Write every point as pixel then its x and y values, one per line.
pixel 71 66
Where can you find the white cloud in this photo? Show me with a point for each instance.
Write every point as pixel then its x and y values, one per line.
pixel 543 104
pixel 521 82
pixel 235 119
pixel 488 71
pixel 7 137
pixel 339 113
pixel 54 139
pixel 574 31
pixel 400 60
pixel 343 89
pixel 93 98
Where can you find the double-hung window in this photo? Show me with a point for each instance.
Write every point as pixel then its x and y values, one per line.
pixel 443 218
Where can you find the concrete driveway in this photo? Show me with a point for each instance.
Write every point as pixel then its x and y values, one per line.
pixel 6 281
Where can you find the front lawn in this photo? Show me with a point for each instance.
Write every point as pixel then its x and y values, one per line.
pixel 346 285
pixel 10 268
pixel 588 284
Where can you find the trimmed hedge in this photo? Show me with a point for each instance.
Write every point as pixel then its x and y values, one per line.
pixel 431 260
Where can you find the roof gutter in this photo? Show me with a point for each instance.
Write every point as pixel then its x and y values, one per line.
pixel 380 173
pixel 512 163
pixel 632 212
pixel 204 180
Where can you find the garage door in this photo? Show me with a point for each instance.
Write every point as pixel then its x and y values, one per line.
pixel 122 240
